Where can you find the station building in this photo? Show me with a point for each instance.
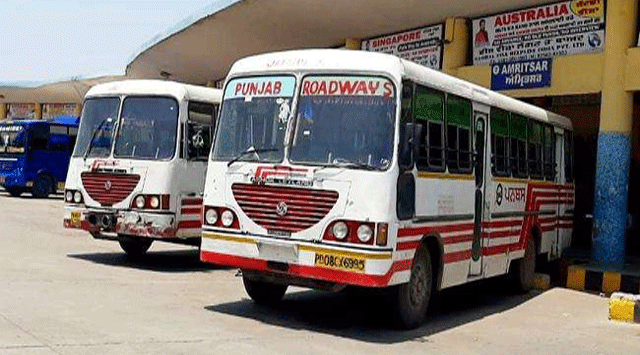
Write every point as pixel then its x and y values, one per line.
pixel 578 58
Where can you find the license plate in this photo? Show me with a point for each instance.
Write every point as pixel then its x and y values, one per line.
pixel 340 262
pixel 76 219
pixel 278 252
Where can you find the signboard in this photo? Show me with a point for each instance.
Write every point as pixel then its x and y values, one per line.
pixel 16 111
pixel 260 86
pixel 564 28
pixel 422 45
pixel 56 110
pixel 347 86
pixel 522 74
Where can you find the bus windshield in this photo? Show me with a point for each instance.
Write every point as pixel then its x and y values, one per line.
pixel 148 128
pixel 345 121
pixel 254 118
pixel 12 139
pixel 96 127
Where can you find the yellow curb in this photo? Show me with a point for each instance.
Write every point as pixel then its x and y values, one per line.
pixel 541 282
pixel 576 277
pixel 624 307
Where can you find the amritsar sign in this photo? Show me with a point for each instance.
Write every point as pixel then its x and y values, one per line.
pixel 564 28
pixel 523 74
pixel 421 45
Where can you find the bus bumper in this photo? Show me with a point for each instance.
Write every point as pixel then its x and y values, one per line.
pixel 301 263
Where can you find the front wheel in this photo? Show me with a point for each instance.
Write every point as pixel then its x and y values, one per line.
pixel 42 186
pixel 134 247
pixel 412 298
pixel 264 293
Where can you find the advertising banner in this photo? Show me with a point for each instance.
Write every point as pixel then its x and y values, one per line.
pixel 56 110
pixel 523 74
pixel 422 45
pixel 24 111
pixel 564 28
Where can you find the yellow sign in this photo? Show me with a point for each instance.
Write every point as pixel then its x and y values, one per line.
pixel 76 219
pixel 340 262
pixel 588 8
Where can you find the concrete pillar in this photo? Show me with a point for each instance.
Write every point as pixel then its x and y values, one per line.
pixel 3 111
pixel 614 141
pixel 456 44
pixel 78 110
pixel 38 111
pixel 352 43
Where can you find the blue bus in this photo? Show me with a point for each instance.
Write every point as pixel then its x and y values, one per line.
pixel 34 154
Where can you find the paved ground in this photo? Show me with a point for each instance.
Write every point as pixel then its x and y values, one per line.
pixel 62 292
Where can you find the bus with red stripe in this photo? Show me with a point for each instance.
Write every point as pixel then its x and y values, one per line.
pixel 138 167
pixel 336 168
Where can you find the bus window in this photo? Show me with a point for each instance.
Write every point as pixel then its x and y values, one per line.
pixel 39 138
pixel 199 127
pixel 534 154
pixel 458 136
pixel 428 110
pixel 568 156
pixel 499 142
pixel 58 139
pixel 549 153
pixel 518 145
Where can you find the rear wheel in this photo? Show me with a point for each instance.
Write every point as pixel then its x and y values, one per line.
pixel 264 293
pixel 133 246
pixel 524 270
pixel 42 186
pixel 412 298
pixel 14 191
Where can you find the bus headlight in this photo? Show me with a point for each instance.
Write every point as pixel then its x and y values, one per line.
pixel 68 196
pixel 211 216
pixel 77 197
pixel 340 230
pixel 139 201
pixel 227 218
pixel 154 202
pixel 365 233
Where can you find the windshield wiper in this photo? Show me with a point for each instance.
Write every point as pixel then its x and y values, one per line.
pixel 351 164
pixel 251 150
pixel 93 136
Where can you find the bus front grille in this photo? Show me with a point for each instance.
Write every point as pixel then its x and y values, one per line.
pixel 286 209
pixel 108 189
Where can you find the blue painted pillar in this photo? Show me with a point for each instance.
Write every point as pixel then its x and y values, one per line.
pixel 611 191
pixel 614 146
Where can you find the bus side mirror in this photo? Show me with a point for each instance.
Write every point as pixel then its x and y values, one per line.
pixel 410 141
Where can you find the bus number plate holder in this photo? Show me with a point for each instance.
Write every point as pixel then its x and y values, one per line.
pixel 278 252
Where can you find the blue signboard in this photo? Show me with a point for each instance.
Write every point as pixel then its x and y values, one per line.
pixel 521 74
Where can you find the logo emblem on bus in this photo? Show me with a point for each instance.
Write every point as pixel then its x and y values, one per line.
pixel 107 185
pixel 282 209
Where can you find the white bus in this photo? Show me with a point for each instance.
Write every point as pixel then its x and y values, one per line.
pixel 333 168
pixel 138 167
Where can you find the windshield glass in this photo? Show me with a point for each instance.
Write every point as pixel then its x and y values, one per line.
pixel 96 127
pixel 253 120
pixel 12 139
pixel 345 120
pixel 148 128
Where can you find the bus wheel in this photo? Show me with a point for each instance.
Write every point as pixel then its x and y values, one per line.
pixel 523 272
pixel 134 247
pixel 413 297
pixel 42 186
pixel 14 191
pixel 264 293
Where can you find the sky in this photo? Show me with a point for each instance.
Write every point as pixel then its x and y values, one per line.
pixel 44 41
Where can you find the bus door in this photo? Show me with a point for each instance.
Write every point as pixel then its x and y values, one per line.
pixel 480 124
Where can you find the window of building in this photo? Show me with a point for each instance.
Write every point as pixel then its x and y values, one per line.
pixel 458 134
pixel 499 142
pixel 518 145
pixel 428 110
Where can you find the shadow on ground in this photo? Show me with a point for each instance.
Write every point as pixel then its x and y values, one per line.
pixel 369 318
pixel 161 261
pixel 28 196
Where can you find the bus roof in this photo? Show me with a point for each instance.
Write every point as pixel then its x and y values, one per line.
pixel 156 87
pixel 331 60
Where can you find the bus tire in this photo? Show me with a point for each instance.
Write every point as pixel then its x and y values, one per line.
pixel 42 186
pixel 134 247
pixel 412 298
pixel 14 191
pixel 263 293
pixel 524 270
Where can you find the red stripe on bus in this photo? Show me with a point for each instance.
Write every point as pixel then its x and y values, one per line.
pixel 192 202
pixel 457 256
pixel 189 224
pixel 191 210
pixel 410 232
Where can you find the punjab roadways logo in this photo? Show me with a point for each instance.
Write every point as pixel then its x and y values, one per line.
pixel 499 191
